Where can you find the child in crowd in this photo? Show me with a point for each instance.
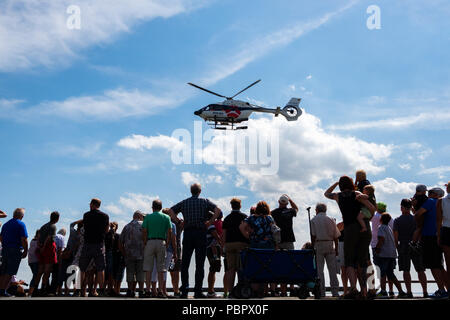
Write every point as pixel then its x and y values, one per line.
pixel 369 191
pixel 213 239
pixel 387 254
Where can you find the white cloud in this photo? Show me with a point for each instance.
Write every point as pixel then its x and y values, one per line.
pixel 189 178
pixel 435 120
pixel 307 153
pixel 111 105
pixel 129 203
pixel 440 171
pixel 263 45
pixel 309 77
pixel 140 142
pixel 34 32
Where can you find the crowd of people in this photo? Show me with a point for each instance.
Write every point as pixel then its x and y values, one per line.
pixel 150 246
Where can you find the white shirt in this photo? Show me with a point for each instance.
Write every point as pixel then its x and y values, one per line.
pixel 59 241
pixel 446 211
pixel 324 228
pixel 375 224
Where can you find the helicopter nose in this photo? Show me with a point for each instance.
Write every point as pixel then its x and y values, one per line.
pixel 198 112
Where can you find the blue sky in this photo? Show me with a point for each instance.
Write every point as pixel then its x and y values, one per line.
pixel 90 112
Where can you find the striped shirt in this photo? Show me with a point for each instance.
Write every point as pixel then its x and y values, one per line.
pixel 194 210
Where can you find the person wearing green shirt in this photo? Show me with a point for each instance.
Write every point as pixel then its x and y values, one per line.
pixel 156 231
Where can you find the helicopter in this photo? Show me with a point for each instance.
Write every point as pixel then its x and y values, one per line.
pixel 227 114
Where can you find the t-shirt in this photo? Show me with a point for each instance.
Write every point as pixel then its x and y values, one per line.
pixel 59 241
pixel 429 224
pixel 95 223
pixel 405 226
pixel 12 233
pixel 388 249
pixel 47 230
pixel 157 224
pixel 349 207
pixel 375 224
pixel 283 219
pixel 32 256
pixel 231 224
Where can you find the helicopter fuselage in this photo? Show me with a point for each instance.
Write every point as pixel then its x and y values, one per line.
pixel 227 111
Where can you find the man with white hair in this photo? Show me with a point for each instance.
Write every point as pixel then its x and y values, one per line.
pixel 14 248
pixel 325 236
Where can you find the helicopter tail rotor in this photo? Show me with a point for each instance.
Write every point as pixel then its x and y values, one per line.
pixel 291 111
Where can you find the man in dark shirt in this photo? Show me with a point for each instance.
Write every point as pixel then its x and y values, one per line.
pixel 47 255
pixel 283 217
pixel 235 242
pixel 96 225
pixel 404 227
pixel 195 211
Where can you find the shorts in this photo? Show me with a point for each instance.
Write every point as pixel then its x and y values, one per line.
pixel 286 245
pixel 169 255
pixel 233 254
pixel 445 237
pixel 155 249
pixel 406 255
pixel 135 270
pixel 214 264
pixel 11 258
pixel 387 267
pixel 95 252
pixel 432 253
pixel 118 269
pixel 47 255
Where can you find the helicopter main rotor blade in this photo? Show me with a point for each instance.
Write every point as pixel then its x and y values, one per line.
pixel 245 88
pixel 198 87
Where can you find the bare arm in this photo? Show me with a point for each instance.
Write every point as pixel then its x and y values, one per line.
pixel 144 236
pixel 379 244
pixel 439 217
pixel 245 229
pixel 25 247
pixel 293 205
pixel 396 238
pixel 366 203
pixel 329 193
pixel 216 215
pixel 420 212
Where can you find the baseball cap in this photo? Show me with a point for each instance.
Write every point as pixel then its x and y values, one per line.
pixel 284 199
pixel 381 206
pixel 421 188
pixel 438 191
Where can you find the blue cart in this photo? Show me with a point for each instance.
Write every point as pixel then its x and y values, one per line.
pixel 278 266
